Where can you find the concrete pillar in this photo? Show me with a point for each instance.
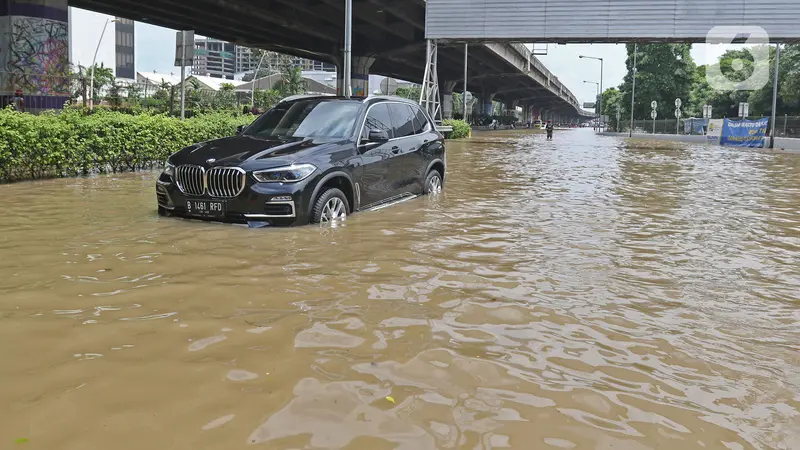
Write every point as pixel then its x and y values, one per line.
pixel 486 101
pixel 34 49
pixel 359 78
pixel 447 98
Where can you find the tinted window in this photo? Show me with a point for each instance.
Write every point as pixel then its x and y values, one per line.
pixel 308 118
pixel 403 118
pixel 378 119
pixel 421 123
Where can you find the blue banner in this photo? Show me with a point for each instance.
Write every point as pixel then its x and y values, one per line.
pixel 744 133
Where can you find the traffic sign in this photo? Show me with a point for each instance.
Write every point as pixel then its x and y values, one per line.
pixel 744 109
pixel 653 114
pixel 707 111
pixel 184 48
pixel 654 104
pixel 677 113
pixel 678 103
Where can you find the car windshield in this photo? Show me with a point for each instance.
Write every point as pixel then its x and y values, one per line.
pixel 320 119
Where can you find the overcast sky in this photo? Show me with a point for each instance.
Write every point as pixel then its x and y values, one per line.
pixel 155 51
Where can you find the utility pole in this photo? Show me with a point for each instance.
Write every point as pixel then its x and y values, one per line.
pixel 633 91
pixel 464 95
pixel 348 47
pixel 183 75
pixel 775 95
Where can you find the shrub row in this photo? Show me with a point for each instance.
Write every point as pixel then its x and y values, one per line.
pixel 70 143
pixel 461 129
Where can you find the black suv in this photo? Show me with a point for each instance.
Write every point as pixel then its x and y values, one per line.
pixel 308 159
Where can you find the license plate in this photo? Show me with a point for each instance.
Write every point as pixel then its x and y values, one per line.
pixel 205 208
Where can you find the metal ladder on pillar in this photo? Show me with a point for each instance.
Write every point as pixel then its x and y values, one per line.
pixel 429 96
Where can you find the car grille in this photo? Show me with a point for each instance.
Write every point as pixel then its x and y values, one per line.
pixel 225 182
pixel 190 179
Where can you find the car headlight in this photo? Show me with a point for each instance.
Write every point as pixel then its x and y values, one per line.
pixel 169 168
pixel 287 174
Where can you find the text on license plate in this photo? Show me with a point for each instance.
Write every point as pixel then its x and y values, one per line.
pixel 205 208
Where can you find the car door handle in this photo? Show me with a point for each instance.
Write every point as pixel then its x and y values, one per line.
pixel 395 150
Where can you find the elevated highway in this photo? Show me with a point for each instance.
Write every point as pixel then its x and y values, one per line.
pixel 388 39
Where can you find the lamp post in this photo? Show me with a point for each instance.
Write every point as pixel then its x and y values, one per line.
pixel 601 81
pixel 94 58
pixel 598 90
pixel 633 90
pixel 255 77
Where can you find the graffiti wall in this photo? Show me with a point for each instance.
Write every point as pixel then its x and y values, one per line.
pixel 38 58
pixel 35 50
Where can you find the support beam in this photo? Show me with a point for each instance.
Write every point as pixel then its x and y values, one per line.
pixel 447 98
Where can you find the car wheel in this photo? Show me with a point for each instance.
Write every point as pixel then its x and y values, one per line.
pixel 433 183
pixel 162 211
pixel 330 206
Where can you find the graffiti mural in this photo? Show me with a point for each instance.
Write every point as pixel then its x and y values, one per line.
pixel 38 57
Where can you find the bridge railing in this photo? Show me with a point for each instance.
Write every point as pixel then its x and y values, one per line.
pixel 554 84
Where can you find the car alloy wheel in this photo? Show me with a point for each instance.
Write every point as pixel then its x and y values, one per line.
pixel 433 184
pixel 334 209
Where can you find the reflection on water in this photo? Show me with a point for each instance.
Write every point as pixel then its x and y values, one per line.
pixel 573 294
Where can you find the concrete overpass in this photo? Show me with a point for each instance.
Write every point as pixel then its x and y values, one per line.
pixel 388 39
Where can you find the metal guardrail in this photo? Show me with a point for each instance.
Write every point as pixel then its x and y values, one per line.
pixel 554 83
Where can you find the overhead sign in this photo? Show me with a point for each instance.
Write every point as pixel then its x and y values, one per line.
pixel 184 48
pixel 588 105
pixel 609 21
pixel 744 133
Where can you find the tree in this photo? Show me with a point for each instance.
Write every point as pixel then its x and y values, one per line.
pixel 114 96
pixel 611 99
pixel 292 82
pixel 103 77
pixel 665 72
pixel 266 98
pixel 411 92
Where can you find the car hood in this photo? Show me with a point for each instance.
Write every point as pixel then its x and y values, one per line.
pixel 237 150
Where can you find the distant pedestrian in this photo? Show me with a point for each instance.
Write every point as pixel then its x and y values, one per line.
pixel 18 102
pixel 549 129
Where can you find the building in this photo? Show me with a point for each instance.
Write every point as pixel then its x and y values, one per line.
pixel 125 50
pixel 219 59
pixel 214 58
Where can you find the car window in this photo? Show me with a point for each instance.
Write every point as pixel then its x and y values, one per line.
pixel 378 119
pixel 314 118
pixel 403 119
pixel 421 123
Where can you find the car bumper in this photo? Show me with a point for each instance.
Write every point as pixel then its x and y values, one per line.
pixel 276 204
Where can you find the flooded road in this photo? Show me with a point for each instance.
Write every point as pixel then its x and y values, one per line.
pixel 573 294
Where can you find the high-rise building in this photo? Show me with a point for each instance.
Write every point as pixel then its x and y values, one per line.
pixel 221 59
pixel 125 49
pixel 214 58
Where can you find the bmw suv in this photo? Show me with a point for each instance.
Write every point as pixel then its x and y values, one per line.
pixel 309 159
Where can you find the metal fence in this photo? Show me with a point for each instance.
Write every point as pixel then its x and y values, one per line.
pixel 787 126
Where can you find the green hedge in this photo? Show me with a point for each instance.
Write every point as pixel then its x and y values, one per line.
pixel 461 129
pixel 69 143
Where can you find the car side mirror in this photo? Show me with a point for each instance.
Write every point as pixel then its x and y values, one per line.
pixel 240 129
pixel 378 136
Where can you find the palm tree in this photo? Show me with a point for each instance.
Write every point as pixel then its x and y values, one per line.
pixel 292 82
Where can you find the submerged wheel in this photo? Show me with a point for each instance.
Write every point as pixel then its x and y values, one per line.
pixel 162 211
pixel 330 206
pixel 433 183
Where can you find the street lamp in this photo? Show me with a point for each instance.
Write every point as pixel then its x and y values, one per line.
pixel 94 58
pixel 598 91
pixel 601 80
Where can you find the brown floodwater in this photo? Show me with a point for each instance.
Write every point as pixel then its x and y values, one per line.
pixel 573 294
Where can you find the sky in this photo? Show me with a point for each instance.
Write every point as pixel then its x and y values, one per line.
pixel 155 51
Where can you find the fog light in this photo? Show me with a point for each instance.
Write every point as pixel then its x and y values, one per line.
pixel 285 198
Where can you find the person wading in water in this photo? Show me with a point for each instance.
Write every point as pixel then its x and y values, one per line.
pixel 549 129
